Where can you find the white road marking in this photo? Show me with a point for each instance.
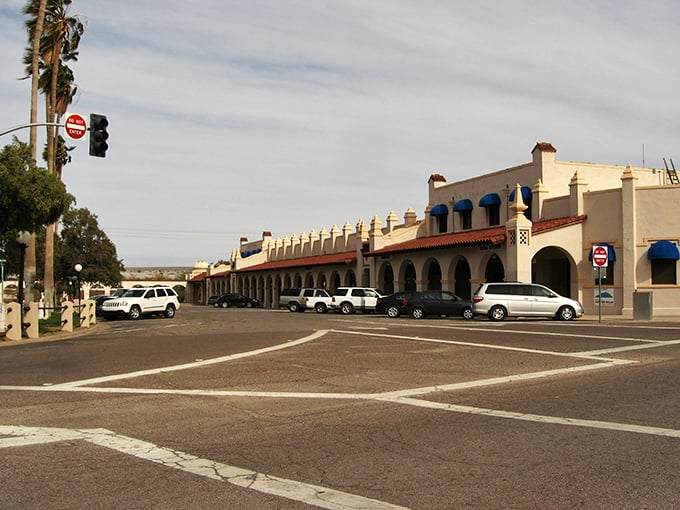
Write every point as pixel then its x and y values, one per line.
pixel 486 346
pixel 311 494
pixel 315 495
pixel 538 418
pixel 195 364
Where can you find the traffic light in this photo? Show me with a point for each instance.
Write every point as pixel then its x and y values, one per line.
pixel 98 135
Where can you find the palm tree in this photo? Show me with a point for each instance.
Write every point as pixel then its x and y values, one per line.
pixel 59 42
pixel 34 42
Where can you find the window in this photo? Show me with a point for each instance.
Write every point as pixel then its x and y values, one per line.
pixel 664 272
pixel 442 223
pixel 161 292
pixel 493 213
pixel 607 274
pixel 466 220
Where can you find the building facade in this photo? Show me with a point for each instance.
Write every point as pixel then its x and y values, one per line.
pixel 535 222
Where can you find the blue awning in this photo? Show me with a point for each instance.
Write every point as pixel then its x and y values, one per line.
pixel 439 210
pixel 463 205
pixel 490 199
pixel 526 194
pixel 611 254
pixel 663 250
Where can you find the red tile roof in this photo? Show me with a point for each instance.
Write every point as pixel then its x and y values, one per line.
pixel 348 257
pixel 472 237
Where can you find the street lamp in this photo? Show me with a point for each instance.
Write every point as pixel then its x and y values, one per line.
pixel 78 268
pixel 23 238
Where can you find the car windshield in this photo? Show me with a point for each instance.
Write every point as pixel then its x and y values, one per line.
pixel 134 293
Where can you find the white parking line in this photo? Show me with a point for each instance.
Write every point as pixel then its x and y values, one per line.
pixel 315 495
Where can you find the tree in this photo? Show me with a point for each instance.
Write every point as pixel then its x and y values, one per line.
pixel 34 42
pixel 30 197
pixel 81 241
pixel 57 43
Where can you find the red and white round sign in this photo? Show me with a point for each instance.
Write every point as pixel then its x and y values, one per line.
pixel 600 256
pixel 75 126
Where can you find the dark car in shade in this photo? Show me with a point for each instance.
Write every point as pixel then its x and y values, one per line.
pixel 438 303
pixel 236 300
pixel 98 300
pixel 391 304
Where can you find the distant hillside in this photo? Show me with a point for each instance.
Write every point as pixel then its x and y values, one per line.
pixel 155 273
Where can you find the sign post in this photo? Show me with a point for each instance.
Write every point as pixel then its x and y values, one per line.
pixel 600 260
pixel 75 126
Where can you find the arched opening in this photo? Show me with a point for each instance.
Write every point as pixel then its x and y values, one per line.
pixel 321 281
pixel 551 267
pixel 309 281
pixel 409 277
pixel 336 281
pixel 495 272
pixel 387 280
pixel 434 276
pixel 461 278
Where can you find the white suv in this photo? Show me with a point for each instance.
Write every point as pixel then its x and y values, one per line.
pixel 500 300
pixel 140 301
pixel 349 299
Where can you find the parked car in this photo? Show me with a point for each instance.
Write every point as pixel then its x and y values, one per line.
pixel 349 299
pixel 316 299
pixel 236 300
pixel 298 299
pixel 98 300
pixel 391 304
pixel 212 299
pixel 139 301
pixel 436 302
pixel 500 300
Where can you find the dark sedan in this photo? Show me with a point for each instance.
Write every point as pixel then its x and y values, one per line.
pixel 391 304
pixel 98 300
pixel 436 302
pixel 235 300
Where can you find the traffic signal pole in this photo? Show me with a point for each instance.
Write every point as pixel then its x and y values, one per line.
pixel 32 124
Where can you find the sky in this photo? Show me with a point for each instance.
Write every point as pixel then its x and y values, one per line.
pixel 230 118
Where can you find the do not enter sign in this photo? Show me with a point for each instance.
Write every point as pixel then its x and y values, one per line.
pixel 600 256
pixel 75 126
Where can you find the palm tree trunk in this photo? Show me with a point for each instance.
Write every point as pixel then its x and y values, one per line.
pixel 29 261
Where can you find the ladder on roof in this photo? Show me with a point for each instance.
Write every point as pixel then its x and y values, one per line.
pixel 671 172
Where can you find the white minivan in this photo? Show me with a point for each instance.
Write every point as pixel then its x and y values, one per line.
pixel 500 300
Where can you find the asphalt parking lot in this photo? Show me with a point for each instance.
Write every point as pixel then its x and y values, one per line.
pixel 268 409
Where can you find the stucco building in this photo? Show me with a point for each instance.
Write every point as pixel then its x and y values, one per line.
pixel 535 222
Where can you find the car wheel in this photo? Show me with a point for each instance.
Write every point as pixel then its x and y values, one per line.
pixel 135 313
pixel 293 306
pixel 346 308
pixel 216 304
pixel 224 304
pixel 169 312
pixel 497 313
pixel 320 308
pixel 249 305
pixel 393 311
pixel 467 313
pixel 418 313
pixel 565 313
